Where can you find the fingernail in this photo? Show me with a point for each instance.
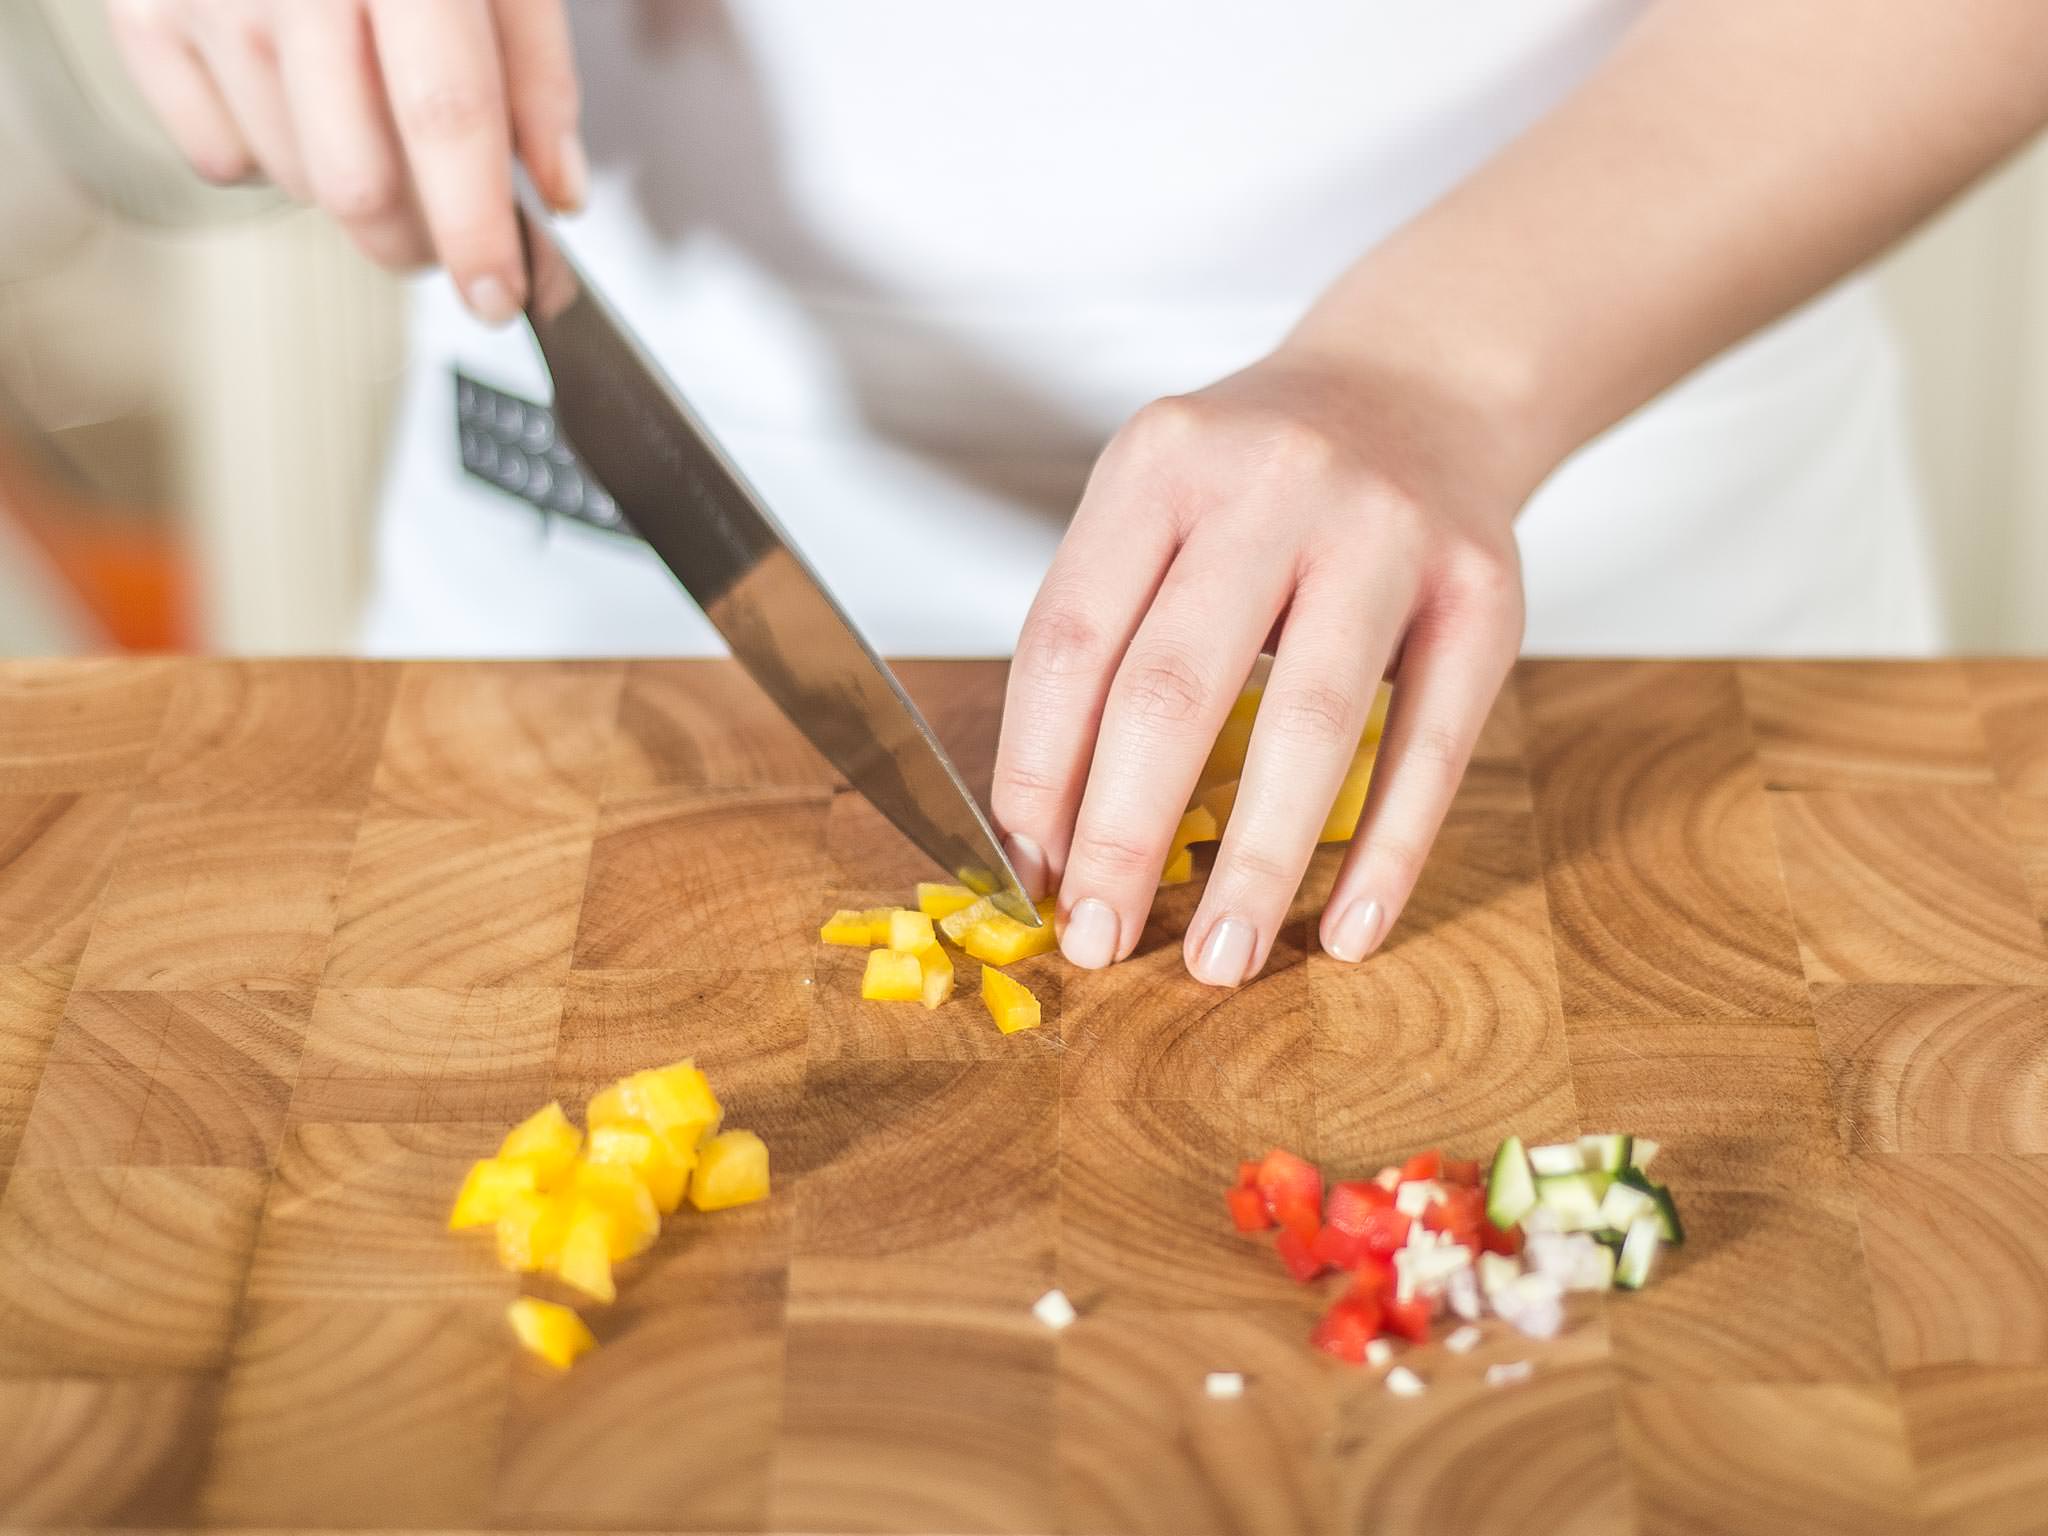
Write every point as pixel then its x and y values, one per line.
pixel 1028 859
pixel 574 172
pixel 1226 957
pixel 491 301
pixel 1090 936
pixel 1353 935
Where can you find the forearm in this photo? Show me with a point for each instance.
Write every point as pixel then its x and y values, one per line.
pixel 1731 159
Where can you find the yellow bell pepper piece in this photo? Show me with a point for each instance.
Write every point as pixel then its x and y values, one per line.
pixel 490 1182
pixel 1180 868
pixel 586 1257
pixel 1342 821
pixel 846 927
pixel 1219 801
pixel 954 925
pixel 910 932
pixel 937 971
pixel 618 1191
pixel 892 978
pixel 879 919
pixel 675 1102
pixel 552 1332
pixel 530 1231
pixel 999 939
pixel 732 1171
pixel 936 900
pixel 545 1139
pixel 1197 825
pixel 635 1147
pixel 1226 758
pixel 1010 1002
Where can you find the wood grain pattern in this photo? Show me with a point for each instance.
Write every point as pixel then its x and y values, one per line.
pixel 1921 886
pixel 283 946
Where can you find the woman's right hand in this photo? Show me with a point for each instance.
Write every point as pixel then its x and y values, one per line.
pixel 399 117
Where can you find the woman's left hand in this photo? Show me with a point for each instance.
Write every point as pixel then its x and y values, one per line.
pixel 1356 517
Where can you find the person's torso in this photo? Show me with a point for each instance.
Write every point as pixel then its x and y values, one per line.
pixel 916 260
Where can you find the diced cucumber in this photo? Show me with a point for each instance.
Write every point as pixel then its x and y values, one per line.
pixel 1558 1157
pixel 1642 1152
pixel 1638 1253
pixel 1623 1205
pixel 1574 1199
pixel 1607 1152
pixel 1593 1269
pixel 1510 1189
pixel 1669 1227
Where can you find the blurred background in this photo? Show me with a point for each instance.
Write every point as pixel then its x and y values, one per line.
pixel 195 385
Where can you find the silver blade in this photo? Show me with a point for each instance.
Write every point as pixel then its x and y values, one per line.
pixel 631 426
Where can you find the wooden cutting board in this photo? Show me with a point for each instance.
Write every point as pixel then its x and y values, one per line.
pixel 284 945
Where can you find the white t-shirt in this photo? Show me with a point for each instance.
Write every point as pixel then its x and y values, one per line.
pixel 916 260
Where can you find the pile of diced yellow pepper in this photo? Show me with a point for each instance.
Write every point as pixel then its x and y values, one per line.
pixel 907 963
pixel 570 1205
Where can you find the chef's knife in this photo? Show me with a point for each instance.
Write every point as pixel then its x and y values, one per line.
pixel 632 428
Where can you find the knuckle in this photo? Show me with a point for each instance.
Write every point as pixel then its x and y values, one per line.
pixel 1061 641
pixel 357 194
pixel 1164 686
pixel 1256 867
pixel 1165 425
pixel 1294 449
pixel 1437 746
pixel 447 111
pixel 1114 855
pixel 1317 714
pixel 1401 857
pixel 221 165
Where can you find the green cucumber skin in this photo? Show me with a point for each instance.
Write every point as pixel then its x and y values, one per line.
pixel 1633 1276
pixel 1611 1152
pixel 1672 1229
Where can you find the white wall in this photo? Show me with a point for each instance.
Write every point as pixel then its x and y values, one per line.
pixel 1970 298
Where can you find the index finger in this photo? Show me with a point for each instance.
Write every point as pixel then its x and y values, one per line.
pixel 446 77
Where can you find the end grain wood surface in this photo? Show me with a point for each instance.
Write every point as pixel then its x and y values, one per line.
pixel 284 944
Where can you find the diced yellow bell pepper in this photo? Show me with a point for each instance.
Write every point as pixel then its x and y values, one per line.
pixel 892 978
pixel 586 1257
pixel 999 939
pixel 545 1139
pixel 1197 825
pixel 879 919
pixel 936 900
pixel 553 1332
pixel 732 1171
pixel 1219 801
pixel 1010 1003
pixel 910 932
pixel 846 927
pixel 1180 868
pixel 937 969
pixel 530 1231
pixel 1226 758
pixel 631 1145
pixel 636 1218
pixel 1342 821
pixel 954 925
pixel 675 1102
pixel 484 1192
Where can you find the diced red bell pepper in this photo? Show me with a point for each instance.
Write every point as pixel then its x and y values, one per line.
pixel 1494 1239
pixel 1462 1170
pixel 1459 1215
pixel 1346 1329
pixel 1348 1202
pixel 1384 1231
pixel 1406 1319
pixel 1247 1175
pixel 1337 1248
pixel 1298 1255
pixel 1248 1209
pixel 1286 1180
pixel 1300 1217
pixel 1423 1165
pixel 1373 1277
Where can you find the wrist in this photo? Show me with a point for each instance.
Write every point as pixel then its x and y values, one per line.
pixel 1478 387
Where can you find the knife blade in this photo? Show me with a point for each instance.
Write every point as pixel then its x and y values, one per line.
pixel 681 491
